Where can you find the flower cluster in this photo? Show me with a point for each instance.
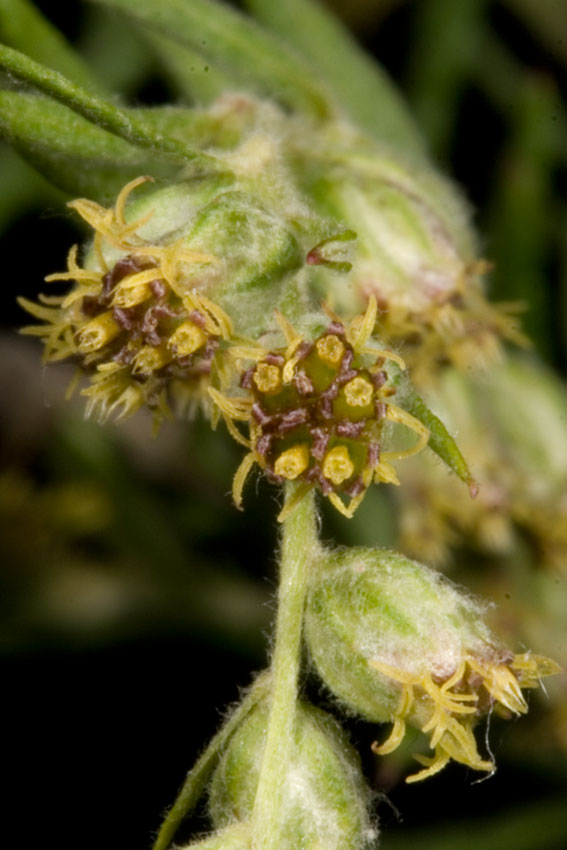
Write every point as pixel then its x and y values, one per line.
pixel 131 323
pixel 396 642
pixel 446 708
pixel 316 411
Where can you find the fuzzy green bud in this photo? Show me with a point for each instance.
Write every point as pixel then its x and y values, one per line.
pixel 324 797
pixel 395 641
pixel 415 252
pixel 512 425
pixel 235 837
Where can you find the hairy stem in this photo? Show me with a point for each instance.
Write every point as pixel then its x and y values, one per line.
pixel 299 546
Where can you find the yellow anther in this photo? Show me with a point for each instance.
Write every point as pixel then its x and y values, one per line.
pixel 330 349
pixel 292 462
pixel 337 465
pixel 186 339
pixel 149 359
pixel 130 296
pixel 97 333
pixel 267 377
pixel 359 392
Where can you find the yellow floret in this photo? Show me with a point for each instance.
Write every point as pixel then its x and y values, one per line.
pixel 267 377
pixel 149 359
pixel 187 339
pixel 359 392
pixel 330 349
pixel 291 463
pixel 98 332
pixel 337 465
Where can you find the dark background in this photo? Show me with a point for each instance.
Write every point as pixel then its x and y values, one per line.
pixel 136 600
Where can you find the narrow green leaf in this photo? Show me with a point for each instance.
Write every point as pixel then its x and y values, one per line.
pixel 196 78
pixel 23 27
pixel 363 89
pixel 73 154
pixel 440 441
pixel 251 57
pixel 126 125
pixel 202 128
pixel 447 36
pixel 119 56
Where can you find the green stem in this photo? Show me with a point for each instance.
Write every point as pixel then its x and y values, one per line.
pixel 299 546
pixel 92 107
pixel 198 776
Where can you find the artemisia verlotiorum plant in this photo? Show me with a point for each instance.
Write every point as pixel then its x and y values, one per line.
pixel 286 260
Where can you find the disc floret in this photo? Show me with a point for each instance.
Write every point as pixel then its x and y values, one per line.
pixel 316 411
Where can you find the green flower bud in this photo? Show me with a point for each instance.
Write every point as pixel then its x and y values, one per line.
pixel 415 253
pixel 396 642
pixel 235 837
pixel 324 798
pixel 512 425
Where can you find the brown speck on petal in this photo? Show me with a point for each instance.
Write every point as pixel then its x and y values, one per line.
pixel 246 378
pixel 346 362
pixel 346 428
pixel 320 443
pixel 290 420
pixel 158 288
pixel 259 415
pixel 302 383
pixel 198 319
pixel 125 317
pixel 373 455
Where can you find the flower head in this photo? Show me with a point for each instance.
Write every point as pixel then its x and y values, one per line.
pixel 132 325
pixel 397 643
pixel 316 411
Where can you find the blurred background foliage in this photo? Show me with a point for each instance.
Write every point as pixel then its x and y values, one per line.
pixel 135 598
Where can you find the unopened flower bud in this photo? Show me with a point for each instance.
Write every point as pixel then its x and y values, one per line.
pixel 395 642
pixel 234 837
pixel 512 425
pixel 324 799
pixel 415 253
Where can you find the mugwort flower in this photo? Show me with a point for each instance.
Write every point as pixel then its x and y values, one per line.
pixel 316 410
pixel 130 321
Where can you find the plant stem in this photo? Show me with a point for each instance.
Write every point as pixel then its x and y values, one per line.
pixel 198 776
pixel 299 547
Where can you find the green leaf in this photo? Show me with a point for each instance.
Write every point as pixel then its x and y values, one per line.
pixel 126 125
pixel 440 441
pixel 69 151
pixel 363 89
pixel 252 58
pixel 456 31
pixel 23 27
pixel 196 78
pixel 119 56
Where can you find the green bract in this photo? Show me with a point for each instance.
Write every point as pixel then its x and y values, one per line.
pixel 323 795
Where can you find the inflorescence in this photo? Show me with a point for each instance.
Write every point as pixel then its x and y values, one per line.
pixel 316 411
